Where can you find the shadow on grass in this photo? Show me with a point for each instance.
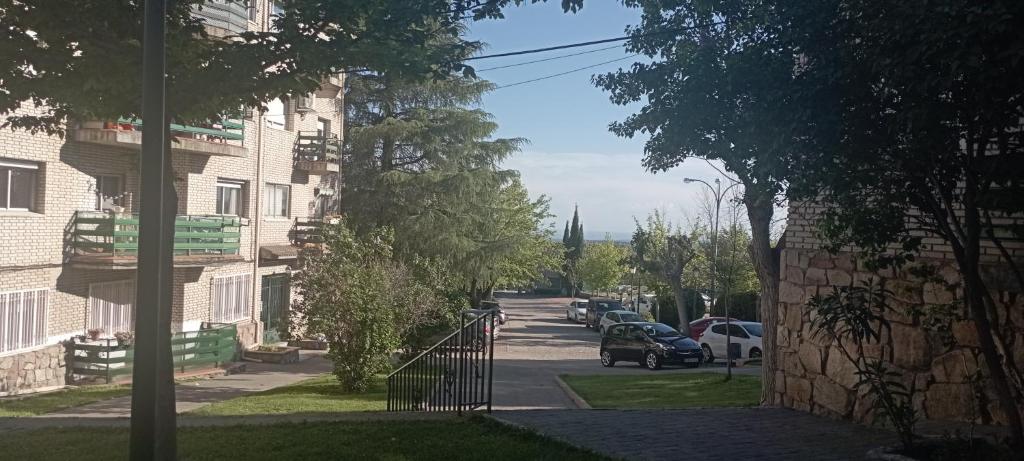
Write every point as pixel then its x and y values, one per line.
pixel 316 395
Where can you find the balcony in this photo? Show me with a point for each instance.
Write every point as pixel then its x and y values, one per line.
pixel 216 139
pixel 104 240
pixel 316 153
pixel 224 18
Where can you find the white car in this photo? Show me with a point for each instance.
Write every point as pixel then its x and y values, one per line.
pixel 746 334
pixel 577 311
pixel 612 317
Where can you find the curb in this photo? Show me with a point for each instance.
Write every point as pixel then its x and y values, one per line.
pixel 576 399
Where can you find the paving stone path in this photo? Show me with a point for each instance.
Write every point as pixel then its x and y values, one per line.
pixel 712 434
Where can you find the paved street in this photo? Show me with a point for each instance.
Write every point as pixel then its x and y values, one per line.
pixel 538 344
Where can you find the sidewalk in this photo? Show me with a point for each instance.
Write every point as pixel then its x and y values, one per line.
pixel 194 394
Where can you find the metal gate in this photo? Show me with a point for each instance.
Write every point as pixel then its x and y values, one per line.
pixel 274 311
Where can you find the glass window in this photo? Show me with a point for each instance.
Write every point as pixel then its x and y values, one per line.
pixel 718 329
pixel 753 329
pixel 660 330
pixel 613 317
pixel 616 331
pixel 22 319
pixel 229 198
pixel 231 298
pixel 737 332
pixel 276 200
pixel 630 317
pixel 252 11
pixel 323 127
pixel 112 306
pixel 17 185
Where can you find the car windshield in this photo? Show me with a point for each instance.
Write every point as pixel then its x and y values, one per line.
pixel 660 330
pixel 630 317
pixel 753 329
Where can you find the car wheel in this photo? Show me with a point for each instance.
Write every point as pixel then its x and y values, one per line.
pixel 607 359
pixel 755 353
pixel 652 361
pixel 709 357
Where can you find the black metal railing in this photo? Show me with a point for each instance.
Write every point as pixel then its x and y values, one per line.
pixel 454 375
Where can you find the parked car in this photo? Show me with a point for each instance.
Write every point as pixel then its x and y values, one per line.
pixel 698 326
pixel 483 327
pixel 746 334
pixel 612 317
pixel 577 310
pixel 597 307
pixel 499 312
pixel 649 344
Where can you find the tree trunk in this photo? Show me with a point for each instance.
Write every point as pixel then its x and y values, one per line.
pixel 767 265
pixel 684 319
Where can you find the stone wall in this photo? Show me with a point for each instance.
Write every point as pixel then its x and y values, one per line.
pixel 37 369
pixel 814 375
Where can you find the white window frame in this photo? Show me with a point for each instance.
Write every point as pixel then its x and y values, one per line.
pixel 13 164
pixel 40 322
pixel 230 184
pixel 233 305
pixel 128 287
pixel 268 204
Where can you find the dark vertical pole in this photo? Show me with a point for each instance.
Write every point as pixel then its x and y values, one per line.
pixel 460 362
pixel 153 416
pixel 490 366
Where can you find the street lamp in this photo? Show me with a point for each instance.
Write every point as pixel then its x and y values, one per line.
pixel 719 194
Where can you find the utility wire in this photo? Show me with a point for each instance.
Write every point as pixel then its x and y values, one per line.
pixel 550 59
pixel 565 73
pixel 593 42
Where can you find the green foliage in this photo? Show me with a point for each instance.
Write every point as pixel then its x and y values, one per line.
pixel 664 253
pixel 573 242
pixel 603 266
pixel 742 306
pixel 362 301
pixel 693 303
pixel 851 318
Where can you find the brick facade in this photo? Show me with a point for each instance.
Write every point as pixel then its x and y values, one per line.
pixel 34 251
pixel 814 376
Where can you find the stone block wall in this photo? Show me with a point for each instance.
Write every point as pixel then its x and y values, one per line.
pixel 815 376
pixel 36 369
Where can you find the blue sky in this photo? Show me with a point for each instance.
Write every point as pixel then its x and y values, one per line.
pixel 572 157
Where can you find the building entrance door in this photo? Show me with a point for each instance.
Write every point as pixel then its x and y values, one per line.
pixel 274 312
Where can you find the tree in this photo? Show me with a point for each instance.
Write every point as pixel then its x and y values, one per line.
pixel 717 89
pixel 665 254
pixel 603 266
pixel 910 117
pixel 363 301
pixel 574 242
pixel 88 65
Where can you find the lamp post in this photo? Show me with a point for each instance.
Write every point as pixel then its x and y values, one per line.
pixel 719 194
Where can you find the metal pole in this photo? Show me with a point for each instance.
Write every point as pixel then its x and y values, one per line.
pixel 153 421
pixel 460 361
pixel 490 366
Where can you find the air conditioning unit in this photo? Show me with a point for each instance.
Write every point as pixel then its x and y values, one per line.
pixel 303 104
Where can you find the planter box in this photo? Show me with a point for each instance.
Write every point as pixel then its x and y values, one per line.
pixel 309 344
pixel 284 355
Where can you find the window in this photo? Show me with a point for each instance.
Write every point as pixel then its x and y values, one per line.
pixel 613 317
pixel 229 197
pixel 276 201
pixel 737 331
pixel 718 329
pixel 231 298
pixel 18 185
pixel 112 306
pixel 754 329
pixel 108 192
pixel 253 16
pixel 616 331
pixel 323 127
pixel 22 319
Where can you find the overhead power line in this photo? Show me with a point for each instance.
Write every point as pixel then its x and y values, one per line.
pixel 592 42
pixel 550 59
pixel 565 73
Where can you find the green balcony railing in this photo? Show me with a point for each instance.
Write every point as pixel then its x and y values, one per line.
pixel 225 130
pixel 315 147
pixel 117 234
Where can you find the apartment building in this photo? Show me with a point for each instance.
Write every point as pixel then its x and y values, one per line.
pixel 69 221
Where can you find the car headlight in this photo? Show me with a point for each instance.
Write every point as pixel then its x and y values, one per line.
pixel 667 347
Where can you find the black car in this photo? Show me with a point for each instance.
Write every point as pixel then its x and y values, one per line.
pixel 650 344
pixel 597 307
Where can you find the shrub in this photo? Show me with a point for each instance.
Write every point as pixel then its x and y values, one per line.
pixel 362 301
pixel 693 302
pixel 742 306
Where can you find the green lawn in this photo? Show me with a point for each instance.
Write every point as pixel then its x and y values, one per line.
pixel 320 394
pixel 475 438
pixel 38 404
pixel 666 390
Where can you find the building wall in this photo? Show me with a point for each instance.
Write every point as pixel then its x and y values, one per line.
pixel 939 362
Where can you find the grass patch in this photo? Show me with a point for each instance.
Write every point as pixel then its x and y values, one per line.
pixel 476 438
pixel 39 404
pixel 665 390
pixel 320 394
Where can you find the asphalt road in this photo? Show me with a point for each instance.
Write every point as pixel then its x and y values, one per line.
pixel 538 344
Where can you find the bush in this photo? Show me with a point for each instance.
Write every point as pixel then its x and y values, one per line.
pixel 362 301
pixel 667 314
pixel 742 306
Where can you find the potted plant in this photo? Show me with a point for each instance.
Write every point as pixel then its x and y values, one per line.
pixel 124 338
pixel 94 333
